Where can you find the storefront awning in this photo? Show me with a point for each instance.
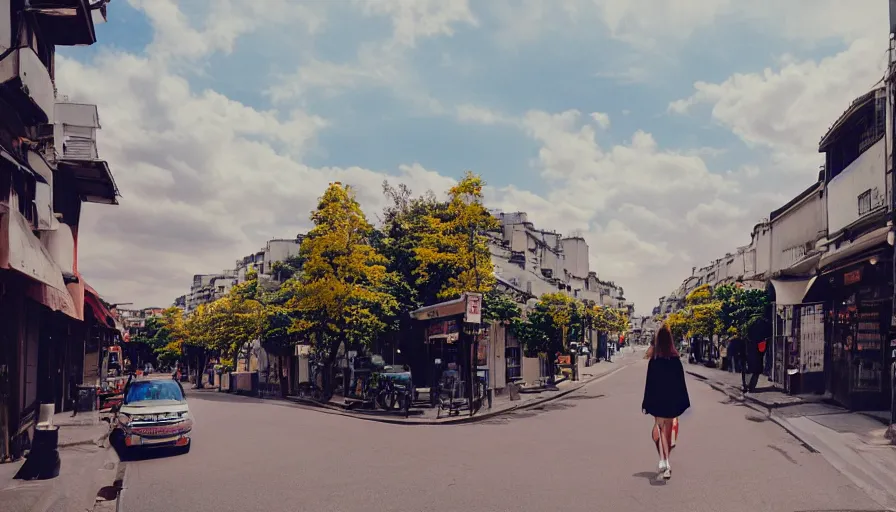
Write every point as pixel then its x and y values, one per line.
pixel 22 252
pixel 854 248
pixel 441 310
pixel 101 313
pixel 791 292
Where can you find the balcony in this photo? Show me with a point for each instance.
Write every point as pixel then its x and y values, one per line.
pixel 26 85
pixel 74 141
pixel 68 22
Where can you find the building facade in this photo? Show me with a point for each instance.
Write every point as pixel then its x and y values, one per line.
pixel 826 258
pixel 53 325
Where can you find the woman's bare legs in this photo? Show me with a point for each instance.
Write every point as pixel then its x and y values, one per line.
pixel 665 443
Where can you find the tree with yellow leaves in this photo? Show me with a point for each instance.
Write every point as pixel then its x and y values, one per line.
pixel 340 295
pixel 453 247
pixel 169 338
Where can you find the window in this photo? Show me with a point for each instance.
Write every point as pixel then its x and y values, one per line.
pixel 864 202
pixel 158 389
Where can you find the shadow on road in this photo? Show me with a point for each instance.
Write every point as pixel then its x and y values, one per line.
pixel 651 477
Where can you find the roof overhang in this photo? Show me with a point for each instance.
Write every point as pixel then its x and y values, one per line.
pixel 848 250
pixel 65 22
pixel 94 179
pixel 857 105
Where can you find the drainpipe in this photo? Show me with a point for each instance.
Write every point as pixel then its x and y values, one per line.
pixel 891 136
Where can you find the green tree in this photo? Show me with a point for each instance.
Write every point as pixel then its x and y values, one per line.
pixel 341 293
pixel 547 329
pixel 286 269
pixel 500 307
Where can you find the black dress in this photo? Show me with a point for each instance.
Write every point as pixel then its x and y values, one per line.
pixel 665 393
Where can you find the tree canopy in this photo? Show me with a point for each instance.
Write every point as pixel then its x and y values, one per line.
pixel 341 293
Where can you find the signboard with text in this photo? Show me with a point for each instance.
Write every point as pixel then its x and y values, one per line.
pixel 473 314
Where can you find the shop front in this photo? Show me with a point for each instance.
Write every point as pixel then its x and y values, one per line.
pixel 798 338
pixel 453 329
pixel 858 327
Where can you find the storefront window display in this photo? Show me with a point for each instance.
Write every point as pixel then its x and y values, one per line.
pixel 859 322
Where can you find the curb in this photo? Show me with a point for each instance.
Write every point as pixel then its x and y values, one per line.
pixel 98 441
pixel 466 419
pixel 769 412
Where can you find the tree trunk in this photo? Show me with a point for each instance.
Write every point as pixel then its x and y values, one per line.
pixel 283 379
pixel 327 379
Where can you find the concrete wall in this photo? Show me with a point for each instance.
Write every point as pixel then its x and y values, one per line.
pixel 868 171
pixel 531 371
pixel 576 252
pixel 279 250
pixel 800 226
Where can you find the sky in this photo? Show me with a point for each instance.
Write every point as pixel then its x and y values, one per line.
pixel 659 130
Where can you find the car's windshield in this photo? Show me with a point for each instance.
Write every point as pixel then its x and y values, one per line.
pixel 153 390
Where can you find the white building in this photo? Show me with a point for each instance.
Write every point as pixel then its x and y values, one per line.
pixel 536 262
pixel 210 287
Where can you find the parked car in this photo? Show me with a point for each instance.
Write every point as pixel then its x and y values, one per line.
pixel 153 414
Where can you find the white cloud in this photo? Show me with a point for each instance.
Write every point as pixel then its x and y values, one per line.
pixel 654 24
pixel 381 63
pixel 602 119
pixel 480 115
pixel 204 179
pixel 788 110
pixel 415 18
pixel 647 213
pixel 223 23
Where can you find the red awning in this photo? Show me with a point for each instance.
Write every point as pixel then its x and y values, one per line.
pixel 100 312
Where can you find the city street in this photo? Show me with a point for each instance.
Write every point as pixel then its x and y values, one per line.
pixel 590 451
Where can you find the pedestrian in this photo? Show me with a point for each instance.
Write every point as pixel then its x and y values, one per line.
pixel 665 393
pixel 754 347
pixel 735 354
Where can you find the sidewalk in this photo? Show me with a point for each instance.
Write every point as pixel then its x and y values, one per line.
pixel 87 465
pixel 853 442
pixel 500 404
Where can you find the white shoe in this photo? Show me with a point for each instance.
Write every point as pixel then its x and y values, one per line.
pixel 662 466
pixel 667 474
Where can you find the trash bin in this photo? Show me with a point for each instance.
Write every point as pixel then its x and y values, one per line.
pixel 86 399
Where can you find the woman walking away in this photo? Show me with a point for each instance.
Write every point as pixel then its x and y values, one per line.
pixel 665 392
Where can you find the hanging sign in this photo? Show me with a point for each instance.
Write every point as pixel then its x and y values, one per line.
pixel 473 313
pixel 852 277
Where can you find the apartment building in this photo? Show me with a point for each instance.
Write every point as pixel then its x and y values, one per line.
pixel 52 323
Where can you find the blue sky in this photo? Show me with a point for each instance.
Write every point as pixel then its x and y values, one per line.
pixel 661 131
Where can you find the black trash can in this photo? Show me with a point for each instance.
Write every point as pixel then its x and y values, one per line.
pixel 86 399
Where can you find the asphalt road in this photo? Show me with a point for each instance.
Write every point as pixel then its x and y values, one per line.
pixel 588 452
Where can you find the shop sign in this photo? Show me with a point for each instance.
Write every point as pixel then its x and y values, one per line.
pixel 473 314
pixel 852 277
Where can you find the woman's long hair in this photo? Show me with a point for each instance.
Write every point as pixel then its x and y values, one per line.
pixel 664 344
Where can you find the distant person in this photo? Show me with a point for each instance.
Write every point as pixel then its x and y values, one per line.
pixel 735 354
pixel 665 393
pixel 755 348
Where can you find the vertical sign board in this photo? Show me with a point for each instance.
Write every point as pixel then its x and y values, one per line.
pixel 812 338
pixel 473 314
